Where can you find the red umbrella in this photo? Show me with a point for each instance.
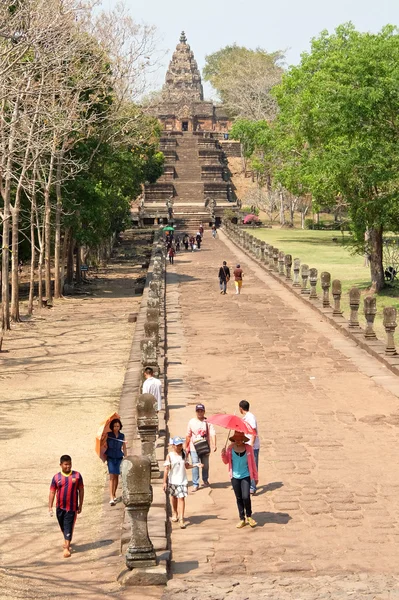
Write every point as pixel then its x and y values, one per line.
pixel 230 422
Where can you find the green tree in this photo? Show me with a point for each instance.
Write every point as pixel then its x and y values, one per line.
pixel 243 79
pixel 339 110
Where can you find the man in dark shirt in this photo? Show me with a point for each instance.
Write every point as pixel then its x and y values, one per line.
pixel 238 275
pixel 224 277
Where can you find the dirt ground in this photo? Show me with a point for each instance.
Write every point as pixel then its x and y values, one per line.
pixel 60 375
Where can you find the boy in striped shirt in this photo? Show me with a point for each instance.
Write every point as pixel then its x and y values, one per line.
pixel 68 486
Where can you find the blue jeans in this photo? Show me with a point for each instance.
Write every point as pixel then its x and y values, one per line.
pixel 223 285
pixel 256 455
pixel 205 469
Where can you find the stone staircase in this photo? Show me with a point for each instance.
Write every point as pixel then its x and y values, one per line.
pixel 193 173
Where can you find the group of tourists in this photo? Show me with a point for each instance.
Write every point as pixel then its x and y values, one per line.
pixel 189 241
pixel 193 452
pixel 224 278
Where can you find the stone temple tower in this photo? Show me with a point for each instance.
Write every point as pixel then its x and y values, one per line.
pixel 183 79
pixel 182 107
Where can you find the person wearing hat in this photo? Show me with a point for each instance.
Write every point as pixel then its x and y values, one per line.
pixel 200 440
pixel 175 479
pixel 242 468
pixel 238 275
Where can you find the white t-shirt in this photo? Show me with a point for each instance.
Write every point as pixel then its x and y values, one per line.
pixel 251 420
pixel 153 386
pixel 177 474
pixel 197 430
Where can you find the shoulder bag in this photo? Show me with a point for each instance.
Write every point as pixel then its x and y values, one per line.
pixel 202 446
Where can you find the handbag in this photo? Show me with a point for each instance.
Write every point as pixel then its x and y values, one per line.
pixel 227 276
pixel 202 446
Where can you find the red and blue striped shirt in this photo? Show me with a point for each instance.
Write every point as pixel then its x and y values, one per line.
pixel 66 487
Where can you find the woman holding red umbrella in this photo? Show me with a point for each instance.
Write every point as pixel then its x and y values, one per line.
pixel 242 468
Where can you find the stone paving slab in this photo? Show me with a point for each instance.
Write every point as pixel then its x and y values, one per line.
pixel 328 418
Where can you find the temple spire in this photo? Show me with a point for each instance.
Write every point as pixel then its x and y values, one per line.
pixel 183 79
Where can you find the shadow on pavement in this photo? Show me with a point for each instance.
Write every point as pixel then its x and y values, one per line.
pixel 279 518
pixel 270 487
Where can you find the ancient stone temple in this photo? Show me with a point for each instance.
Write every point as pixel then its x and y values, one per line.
pixel 195 186
pixel 183 107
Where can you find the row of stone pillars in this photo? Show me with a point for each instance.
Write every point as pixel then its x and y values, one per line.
pixel 139 470
pixel 305 278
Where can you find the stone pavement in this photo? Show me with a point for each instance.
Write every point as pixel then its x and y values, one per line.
pixel 327 505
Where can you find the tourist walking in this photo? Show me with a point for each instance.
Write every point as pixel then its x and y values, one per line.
pixel 198 238
pixel 201 229
pixel 175 479
pixel 185 241
pixel 238 275
pixel 192 242
pixel 200 440
pixel 214 231
pixel 171 254
pixel 153 386
pixel 67 485
pixel 177 244
pixel 242 468
pixel 224 277
pixel 115 452
pixel 254 441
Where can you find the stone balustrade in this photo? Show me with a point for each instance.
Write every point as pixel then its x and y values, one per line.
pixel 281 265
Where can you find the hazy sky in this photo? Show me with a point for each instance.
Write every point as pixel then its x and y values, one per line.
pixel 280 25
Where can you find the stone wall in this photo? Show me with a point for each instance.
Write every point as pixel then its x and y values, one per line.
pixel 148 436
pixel 324 295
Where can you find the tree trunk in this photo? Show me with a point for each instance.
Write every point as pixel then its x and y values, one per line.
pixel 282 216
pixel 71 246
pixel 78 273
pixel 15 211
pixel 57 242
pixel 5 260
pixel 376 259
pixel 32 258
pixel 40 278
pixel 64 254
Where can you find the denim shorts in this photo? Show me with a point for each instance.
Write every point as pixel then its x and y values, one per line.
pixel 114 466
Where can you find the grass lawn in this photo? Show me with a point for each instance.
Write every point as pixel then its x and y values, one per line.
pixel 317 249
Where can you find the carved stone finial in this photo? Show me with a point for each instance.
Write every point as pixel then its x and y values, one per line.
pixel 337 293
pixel 183 39
pixel 390 326
pixel 354 302
pixel 137 497
pixel 297 267
pixel 147 425
pixel 326 284
pixel 305 276
pixel 288 265
pixel 313 283
pixel 370 310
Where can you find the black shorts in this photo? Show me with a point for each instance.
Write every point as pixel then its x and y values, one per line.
pixel 66 520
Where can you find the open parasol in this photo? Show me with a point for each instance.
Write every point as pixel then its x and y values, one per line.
pixel 230 422
pixel 168 228
pixel 102 434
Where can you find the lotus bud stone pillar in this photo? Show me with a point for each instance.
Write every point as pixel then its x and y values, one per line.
pixel 305 276
pixel 337 293
pixel 147 425
pixel 326 284
pixel 313 283
pixel 137 497
pixel 288 265
pixel 390 326
pixel 354 302
pixel 281 257
pixel 370 310
pixel 297 268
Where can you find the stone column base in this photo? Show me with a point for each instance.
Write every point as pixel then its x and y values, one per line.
pixel 144 576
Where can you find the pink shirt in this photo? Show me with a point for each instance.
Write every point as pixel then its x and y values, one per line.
pixel 227 459
pixel 196 430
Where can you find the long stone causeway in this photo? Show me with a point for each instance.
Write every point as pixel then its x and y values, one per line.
pixel 327 506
